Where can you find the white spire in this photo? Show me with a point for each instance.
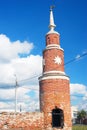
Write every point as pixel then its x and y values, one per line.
pixel 52 24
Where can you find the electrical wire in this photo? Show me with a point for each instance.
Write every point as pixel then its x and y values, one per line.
pixel 35 76
pixel 70 61
pixel 76 58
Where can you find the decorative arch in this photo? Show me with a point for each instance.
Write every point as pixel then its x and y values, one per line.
pixel 57 117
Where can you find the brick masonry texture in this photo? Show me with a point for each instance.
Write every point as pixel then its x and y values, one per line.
pixel 52 39
pixel 55 92
pixel 49 56
pixel 27 121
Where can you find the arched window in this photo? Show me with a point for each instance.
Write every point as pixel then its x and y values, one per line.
pixel 48 40
pixel 57 118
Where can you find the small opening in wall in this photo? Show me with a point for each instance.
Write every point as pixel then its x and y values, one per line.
pixel 57 117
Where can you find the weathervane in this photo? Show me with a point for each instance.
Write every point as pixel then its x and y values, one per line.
pixel 51 25
pixel 52 6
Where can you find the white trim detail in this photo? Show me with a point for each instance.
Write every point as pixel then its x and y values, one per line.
pixel 53 77
pixel 48 72
pixel 43 62
pixel 52 46
pixel 52 31
pixel 52 25
pixel 57 60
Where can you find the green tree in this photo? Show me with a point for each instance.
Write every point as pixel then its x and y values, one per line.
pixel 81 116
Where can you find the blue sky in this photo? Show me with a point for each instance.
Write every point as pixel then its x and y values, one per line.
pixel 23 26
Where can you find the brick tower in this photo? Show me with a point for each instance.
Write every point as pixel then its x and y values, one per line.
pixel 54 84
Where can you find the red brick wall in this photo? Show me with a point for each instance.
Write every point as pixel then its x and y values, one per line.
pixel 55 92
pixel 49 56
pixel 52 39
pixel 54 84
pixel 24 121
pixel 27 121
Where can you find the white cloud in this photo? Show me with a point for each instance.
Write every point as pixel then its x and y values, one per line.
pixel 10 50
pixel 7 99
pixel 79 95
pixel 78 88
pixel 78 56
pixel 10 94
pixel 24 68
pixel 30 101
pixel 27 67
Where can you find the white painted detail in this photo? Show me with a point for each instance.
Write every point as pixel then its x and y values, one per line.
pixel 53 77
pixel 51 25
pixel 43 61
pixel 52 31
pixel 54 47
pixel 57 60
pixel 51 46
pixel 48 72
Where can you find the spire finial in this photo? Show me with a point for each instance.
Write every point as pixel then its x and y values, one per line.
pixel 52 6
pixel 52 25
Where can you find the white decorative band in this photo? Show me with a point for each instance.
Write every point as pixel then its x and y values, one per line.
pixel 52 31
pixel 53 77
pixel 52 46
pixel 60 72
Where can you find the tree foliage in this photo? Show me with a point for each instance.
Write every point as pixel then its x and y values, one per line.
pixel 81 116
